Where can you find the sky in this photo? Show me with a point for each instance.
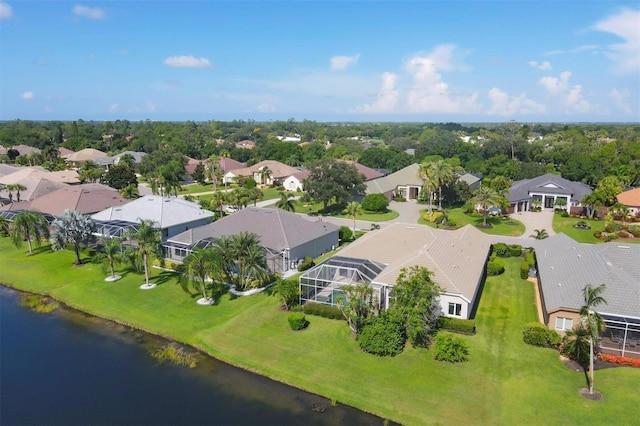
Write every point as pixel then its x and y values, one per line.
pixel 400 61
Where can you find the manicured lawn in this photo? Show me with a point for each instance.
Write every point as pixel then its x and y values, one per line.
pixel 508 226
pixel 195 188
pixel 314 208
pixel 505 381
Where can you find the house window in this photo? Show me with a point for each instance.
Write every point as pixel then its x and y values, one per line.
pixel 455 309
pixel 564 323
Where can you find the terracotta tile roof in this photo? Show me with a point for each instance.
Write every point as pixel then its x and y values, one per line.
pixel 85 155
pixel 630 198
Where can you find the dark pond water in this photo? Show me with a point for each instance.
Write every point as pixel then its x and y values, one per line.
pixel 67 368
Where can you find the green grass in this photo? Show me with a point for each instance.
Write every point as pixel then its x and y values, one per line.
pixel 195 188
pixel 314 208
pixel 499 226
pixel 505 382
pixel 565 225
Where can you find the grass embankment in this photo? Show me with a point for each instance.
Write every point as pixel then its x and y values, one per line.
pixel 499 226
pixel 505 381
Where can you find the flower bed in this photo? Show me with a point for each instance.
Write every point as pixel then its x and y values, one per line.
pixel 622 360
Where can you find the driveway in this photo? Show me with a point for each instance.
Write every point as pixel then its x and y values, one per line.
pixel 531 221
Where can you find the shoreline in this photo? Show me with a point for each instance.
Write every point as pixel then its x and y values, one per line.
pixel 66 305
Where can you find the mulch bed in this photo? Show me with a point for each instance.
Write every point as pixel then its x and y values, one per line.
pixel 597 365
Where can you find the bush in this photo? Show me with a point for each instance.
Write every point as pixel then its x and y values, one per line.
pixel 383 335
pixel 524 270
pixel 537 334
pixel 457 325
pixel 306 264
pixel 613 227
pixel 501 250
pixel 530 259
pixel 345 233
pixel 435 217
pixel 451 222
pixel 622 360
pixel 635 230
pixel 399 199
pixel 325 311
pixel 515 250
pixel 564 213
pixel 624 234
pixel 297 321
pixel 495 266
pixel 450 349
pixel 375 203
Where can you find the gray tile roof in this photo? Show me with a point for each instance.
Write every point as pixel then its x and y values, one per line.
pixel 165 211
pixel 406 176
pixel 566 266
pixel 547 184
pixel 456 258
pixel 277 228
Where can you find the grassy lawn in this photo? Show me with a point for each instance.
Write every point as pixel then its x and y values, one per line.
pixel 314 208
pixel 195 188
pixel 509 226
pixel 565 225
pixel 505 381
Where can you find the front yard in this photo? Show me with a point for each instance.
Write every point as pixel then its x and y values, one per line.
pixel 505 381
pixel 499 226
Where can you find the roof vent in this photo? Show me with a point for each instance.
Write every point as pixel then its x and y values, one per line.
pixel 624 247
pixel 609 263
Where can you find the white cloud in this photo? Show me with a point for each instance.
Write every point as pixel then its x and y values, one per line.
pixel 556 85
pixel 621 99
pixel 340 63
pixel 544 66
pixel 113 108
pixel 626 55
pixel 187 62
pixel 583 48
pixel 89 12
pixel 6 11
pixel 430 93
pixel 387 98
pixel 503 104
pixel 574 100
pixel 151 106
pixel 27 95
pixel 266 107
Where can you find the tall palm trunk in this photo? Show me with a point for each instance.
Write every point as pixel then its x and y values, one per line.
pixel 590 364
pixel 146 269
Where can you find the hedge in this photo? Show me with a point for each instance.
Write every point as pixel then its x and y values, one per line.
pixel 515 250
pixel 307 263
pixel 495 266
pixel 537 334
pixel 530 258
pixel 383 336
pixel 524 269
pixel 457 325
pixel 450 348
pixel 501 250
pixel 326 311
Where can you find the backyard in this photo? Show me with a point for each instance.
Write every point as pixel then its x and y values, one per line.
pixel 566 225
pixel 505 381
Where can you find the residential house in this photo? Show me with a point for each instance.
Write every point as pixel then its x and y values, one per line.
pixel 172 215
pixel 367 172
pixel 547 190
pixel 472 180
pixel 278 172
pixel 287 237
pixel 456 258
pixel 295 182
pixel 25 150
pixel 566 266
pixel 246 144
pixel 404 183
pixel 35 187
pixel 77 159
pixel 631 199
pixel 108 161
pixel 86 198
pixel 62 176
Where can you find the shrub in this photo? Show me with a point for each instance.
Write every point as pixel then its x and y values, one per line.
pixel 457 325
pixel 451 222
pixel 624 234
pixel 564 213
pixel 622 360
pixel 501 250
pixel 399 199
pixel 383 335
pixel 537 334
pixel 515 250
pixel 375 203
pixel 435 217
pixel 450 349
pixel 530 259
pixel 297 321
pixel 495 266
pixel 524 270
pixel 610 237
pixel 635 230
pixel 306 264
pixel 345 233
pixel 326 311
pixel 613 227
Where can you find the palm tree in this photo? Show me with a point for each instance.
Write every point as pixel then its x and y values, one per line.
pixel 110 255
pixel 441 172
pixel 352 210
pixel 130 191
pixel 288 291
pixel 576 343
pixel 265 175
pixel 424 173
pixel 15 187
pixel 71 227
pixel 31 226
pixel 148 238
pixel 214 172
pixel 486 197
pixel 197 268
pixel 592 320
pixel 286 202
pixel 255 194
pixel 539 234
pixel 243 259
pixel 5 226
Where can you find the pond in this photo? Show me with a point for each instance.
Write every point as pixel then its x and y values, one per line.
pixel 68 368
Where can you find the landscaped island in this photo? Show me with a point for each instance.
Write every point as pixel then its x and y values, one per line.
pixel 504 382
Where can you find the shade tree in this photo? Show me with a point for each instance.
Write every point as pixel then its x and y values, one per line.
pixel 30 226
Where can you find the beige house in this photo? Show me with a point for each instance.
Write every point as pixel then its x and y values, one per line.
pixel 278 172
pixel 631 199
pixel 456 258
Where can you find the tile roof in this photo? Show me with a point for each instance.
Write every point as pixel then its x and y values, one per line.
pixel 547 184
pixel 278 229
pixel 367 172
pixel 630 198
pixel 86 198
pixel 456 258
pixel 165 211
pixel 566 266
pixel 406 176
pixel 26 149
pixel 36 187
pixel 85 155
pixel 278 170
pixel 62 176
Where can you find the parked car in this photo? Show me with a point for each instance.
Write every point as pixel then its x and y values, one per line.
pixel 494 211
pixel 231 209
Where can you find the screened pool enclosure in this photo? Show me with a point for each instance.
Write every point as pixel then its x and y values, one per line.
pixel 323 283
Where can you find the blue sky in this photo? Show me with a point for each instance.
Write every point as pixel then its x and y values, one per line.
pixel 459 61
